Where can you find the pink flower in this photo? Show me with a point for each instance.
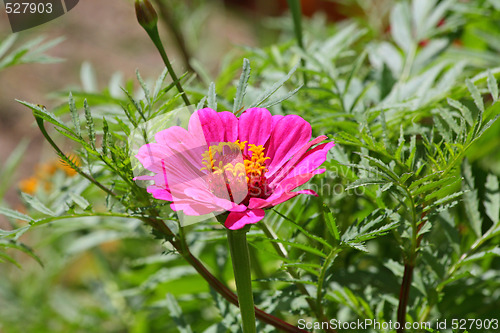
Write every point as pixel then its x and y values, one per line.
pixel 243 165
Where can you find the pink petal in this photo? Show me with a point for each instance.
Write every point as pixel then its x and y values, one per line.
pixel 237 220
pixel 276 119
pixel 255 126
pixel 283 191
pixel 207 121
pixel 305 163
pixel 288 136
pixel 150 155
pixel 160 193
pixel 230 126
pixel 282 172
pixel 192 208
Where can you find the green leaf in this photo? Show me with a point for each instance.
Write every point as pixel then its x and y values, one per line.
pixel 495 251
pixel 40 111
pixel 269 92
pixel 74 115
pixel 241 89
pixel 212 97
pixel 90 123
pixel 21 247
pixel 471 200
pixel 466 113
pixel 36 204
pixel 432 185
pixel 300 246
pixel 304 231
pixel 492 86
pixel 410 162
pixel 282 98
pixel 401 26
pixel 383 168
pixel 330 222
pixel 492 202
pixel 145 89
pixel 105 136
pixel 79 200
pixel 476 95
pixel 176 314
pixel 159 83
pixel 365 182
pixel 15 214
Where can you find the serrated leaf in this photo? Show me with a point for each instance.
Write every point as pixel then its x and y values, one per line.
pixel 300 246
pixel 282 98
pixel 432 185
pixel 476 95
pixel 330 222
pixel 159 82
pixel 413 150
pixel 74 115
pixel 269 92
pixel 471 201
pixel 15 214
pixel 201 104
pixel 492 86
pixel 401 26
pixel 466 113
pixel 383 168
pixel 304 231
pixel 105 136
pixel 176 314
pixel 90 123
pixel 442 201
pixel 21 247
pixel 241 89
pixel 482 255
pixel 36 204
pixel 41 112
pixel 365 182
pixel 212 97
pixel 492 202
pixel 79 200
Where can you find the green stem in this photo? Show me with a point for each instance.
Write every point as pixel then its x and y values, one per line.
pixel 240 256
pixel 155 37
pixel 173 25
pixel 66 159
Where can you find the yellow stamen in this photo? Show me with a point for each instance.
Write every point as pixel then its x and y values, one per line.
pixel 253 166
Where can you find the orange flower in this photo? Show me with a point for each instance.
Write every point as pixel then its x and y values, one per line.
pixel 29 185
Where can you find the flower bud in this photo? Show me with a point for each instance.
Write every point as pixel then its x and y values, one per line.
pixel 146 14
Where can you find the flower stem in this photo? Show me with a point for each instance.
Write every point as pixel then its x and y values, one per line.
pixel 155 37
pixel 240 256
pixel 148 19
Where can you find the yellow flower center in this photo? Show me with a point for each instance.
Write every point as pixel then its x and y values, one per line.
pixel 228 159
